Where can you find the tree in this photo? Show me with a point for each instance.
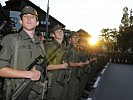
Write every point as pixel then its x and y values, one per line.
pixel 109 38
pixel 125 18
pixel 125 40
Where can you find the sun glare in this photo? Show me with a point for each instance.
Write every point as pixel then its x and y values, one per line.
pixel 93 40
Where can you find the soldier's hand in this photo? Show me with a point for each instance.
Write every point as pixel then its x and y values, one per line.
pixel 94 58
pixel 65 66
pixel 35 74
pixel 81 64
pixel 87 62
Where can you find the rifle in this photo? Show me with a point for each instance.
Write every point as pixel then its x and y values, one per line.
pixel 85 56
pixel 22 92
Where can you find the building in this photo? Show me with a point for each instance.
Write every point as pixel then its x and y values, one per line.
pixel 13 9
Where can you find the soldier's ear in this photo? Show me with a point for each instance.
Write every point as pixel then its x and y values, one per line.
pixel 70 39
pixel 20 21
pixel 53 35
pixel 37 23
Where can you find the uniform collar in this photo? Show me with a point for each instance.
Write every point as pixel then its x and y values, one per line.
pixel 25 36
pixel 58 44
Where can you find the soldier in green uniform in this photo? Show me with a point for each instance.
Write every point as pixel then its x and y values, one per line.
pixel 18 52
pixel 41 36
pixel 73 85
pixel 56 71
pixel 84 71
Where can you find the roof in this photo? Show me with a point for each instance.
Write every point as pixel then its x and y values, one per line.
pixel 17 5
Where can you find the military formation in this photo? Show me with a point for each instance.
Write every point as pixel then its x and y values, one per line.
pixel 64 74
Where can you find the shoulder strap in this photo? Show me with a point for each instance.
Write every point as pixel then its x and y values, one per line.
pixel 16 39
pixel 17 42
pixel 42 47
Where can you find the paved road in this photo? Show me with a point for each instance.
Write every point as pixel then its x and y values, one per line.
pixel 116 83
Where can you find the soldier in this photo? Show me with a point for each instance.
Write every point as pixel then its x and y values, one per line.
pixel 41 36
pixel 56 71
pixel 84 71
pixel 73 85
pixel 20 50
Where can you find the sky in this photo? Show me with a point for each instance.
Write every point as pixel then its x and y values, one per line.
pixel 89 15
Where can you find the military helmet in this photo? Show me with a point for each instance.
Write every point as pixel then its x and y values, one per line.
pixel 28 10
pixel 73 33
pixel 57 27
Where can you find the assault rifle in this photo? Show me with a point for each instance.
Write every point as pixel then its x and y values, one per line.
pixel 22 92
pixel 85 56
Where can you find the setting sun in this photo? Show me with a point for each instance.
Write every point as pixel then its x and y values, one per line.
pixel 93 40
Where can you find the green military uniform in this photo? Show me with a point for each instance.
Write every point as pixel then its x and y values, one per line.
pixel 84 71
pixel 73 85
pixel 56 78
pixel 28 50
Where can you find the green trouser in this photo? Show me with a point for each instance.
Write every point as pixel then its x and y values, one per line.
pixel 82 83
pixel 57 91
pixel 73 88
pixel 83 79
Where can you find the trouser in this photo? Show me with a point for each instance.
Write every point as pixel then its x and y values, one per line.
pixel 73 88
pixel 82 83
pixel 57 91
pixel 1 87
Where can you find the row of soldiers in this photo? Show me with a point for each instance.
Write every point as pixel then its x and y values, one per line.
pixel 64 76
pixel 69 82
pixel 121 57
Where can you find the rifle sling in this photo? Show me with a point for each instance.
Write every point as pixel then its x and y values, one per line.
pixel 17 42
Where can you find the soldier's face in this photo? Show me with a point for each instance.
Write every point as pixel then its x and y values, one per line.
pixel 59 34
pixel 29 22
pixel 74 39
pixel 82 43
